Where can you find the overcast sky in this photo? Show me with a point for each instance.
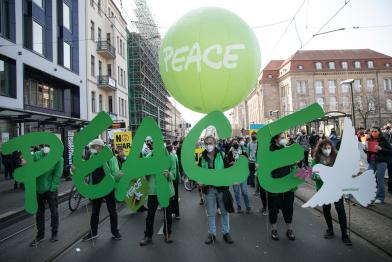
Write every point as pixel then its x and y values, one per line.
pixel 374 17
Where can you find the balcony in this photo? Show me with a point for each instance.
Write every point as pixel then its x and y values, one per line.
pixel 106 82
pixel 106 49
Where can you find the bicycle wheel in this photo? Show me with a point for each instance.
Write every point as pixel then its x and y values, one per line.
pixel 74 199
pixel 189 185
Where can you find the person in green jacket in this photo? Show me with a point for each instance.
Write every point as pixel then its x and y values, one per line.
pixel 109 168
pixel 152 202
pixel 47 185
pixel 175 169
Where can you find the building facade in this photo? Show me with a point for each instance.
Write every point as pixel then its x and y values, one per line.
pixel 106 52
pixel 286 86
pixel 42 67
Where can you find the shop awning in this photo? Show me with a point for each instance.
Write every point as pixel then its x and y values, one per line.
pixel 26 116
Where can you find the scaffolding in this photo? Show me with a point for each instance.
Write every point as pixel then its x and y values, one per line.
pixel 147 94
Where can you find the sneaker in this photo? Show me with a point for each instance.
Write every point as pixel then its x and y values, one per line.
pixel 290 234
pixel 227 238
pixel 201 201
pixel 264 211
pixel 54 237
pixel 218 211
pixel 274 234
pixel 145 241
pixel 239 210
pixel 248 210
pixel 168 239
pixel 177 218
pixel 89 236
pixel 346 240
pixel 117 236
pixel 329 234
pixel 210 239
pixel 36 241
pixel 378 201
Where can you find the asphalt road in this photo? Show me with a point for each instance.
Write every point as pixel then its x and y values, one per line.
pixel 250 232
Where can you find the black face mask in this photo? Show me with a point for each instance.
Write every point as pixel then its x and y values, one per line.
pixel 169 148
pixel 235 146
pixel 254 138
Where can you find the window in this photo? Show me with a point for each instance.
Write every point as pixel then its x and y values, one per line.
pixel 38 38
pixel 344 65
pixel 333 104
pixel 118 44
pixel 359 103
pixel 99 67
pixel 92 3
pixel 118 75
pixel 331 86
pixel 99 6
pixel 318 65
pixel 389 105
pixel 67 16
pixel 388 84
pixel 300 67
pixel 99 34
pixel 387 65
pixel 67 55
pixel 370 64
pixel 121 47
pixel 346 102
pixel 270 76
pixel 119 106
pixel 370 85
pixel 345 88
pixel 319 86
pixel 100 106
pixel 110 98
pixel 108 38
pixel 301 87
pixel 92 69
pixel 93 109
pixel 302 104
pixel 320 100
pixel 109 70
pixel 121 77
pixel 109 11
pixel 4 19
pixel 43 95
pixel 39 3
pixel 92 30
pixel 7 78
pixel 357 64
pixel 331 65
pixel 357 85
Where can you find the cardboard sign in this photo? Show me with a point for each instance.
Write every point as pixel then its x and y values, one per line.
pixel 123 140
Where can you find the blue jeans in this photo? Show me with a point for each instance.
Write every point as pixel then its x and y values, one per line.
pixel 380 169
pixel 212 197
pixel 244 190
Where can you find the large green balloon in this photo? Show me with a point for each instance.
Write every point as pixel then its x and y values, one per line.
pixel 209 60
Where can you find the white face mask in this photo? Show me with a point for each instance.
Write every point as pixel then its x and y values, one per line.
pixel 327 152
pixel 46 150
pixel 93 151
pixel 283 142
pixel 242 143
pixel 210 148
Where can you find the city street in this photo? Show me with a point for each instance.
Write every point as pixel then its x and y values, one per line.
pixel 250 232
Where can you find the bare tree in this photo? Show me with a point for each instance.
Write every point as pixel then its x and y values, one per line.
pixel 366 103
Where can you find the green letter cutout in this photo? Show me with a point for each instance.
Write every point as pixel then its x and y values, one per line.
pixel 84 167
pixel 28 173
pixel 269 161
pixel 135 167
pixel 222 177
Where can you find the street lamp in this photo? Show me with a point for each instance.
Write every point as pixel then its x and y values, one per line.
pixel 345 82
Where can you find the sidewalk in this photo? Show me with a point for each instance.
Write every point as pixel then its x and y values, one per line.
pixel 372 223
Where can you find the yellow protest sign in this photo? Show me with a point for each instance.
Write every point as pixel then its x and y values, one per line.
pixel 123 140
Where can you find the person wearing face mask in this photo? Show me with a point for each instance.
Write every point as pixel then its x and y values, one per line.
pixel 121 157
pixel 388 136
pixel 281 201
pixel 213 159
pixel 47 185
pixel 379 153
pixel 252 157
pixel 148 146
pixel 325 154
pixel 234 154
pixel 303 140
pixel 109 168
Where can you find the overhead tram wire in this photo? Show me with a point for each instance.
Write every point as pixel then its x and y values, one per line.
pixel 326 23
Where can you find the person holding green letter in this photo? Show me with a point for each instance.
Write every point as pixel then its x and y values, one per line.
pixel 213 159
pixel 109 168
pixel 47 185
pixel 281 201
pixel 152 202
